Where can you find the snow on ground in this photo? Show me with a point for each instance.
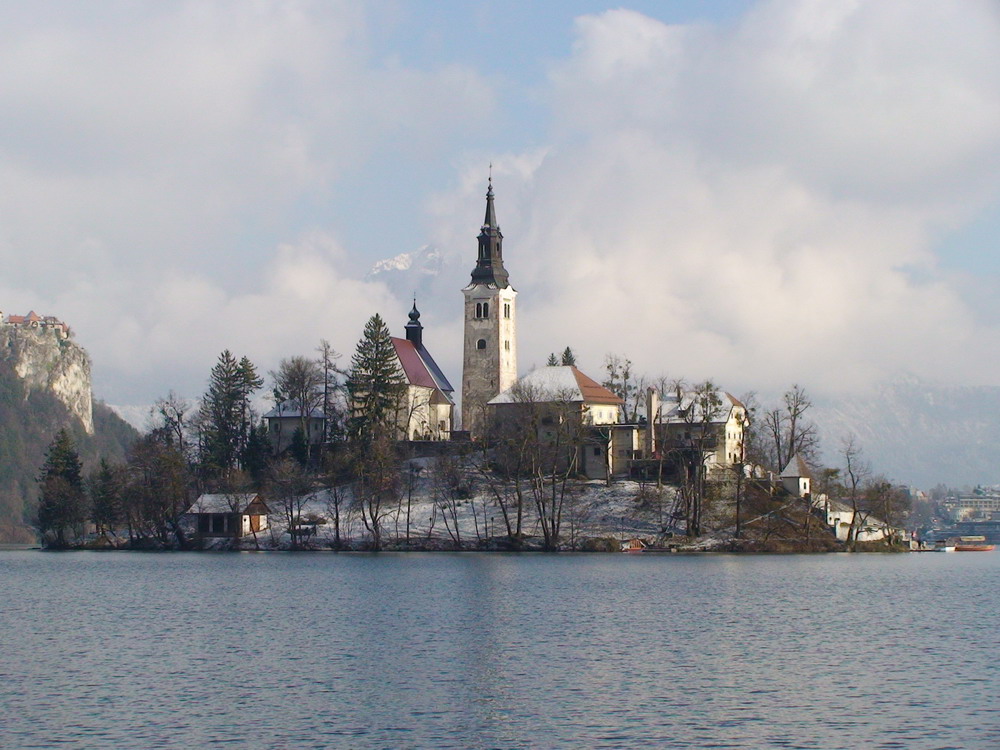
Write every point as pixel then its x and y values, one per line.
pixel 620 511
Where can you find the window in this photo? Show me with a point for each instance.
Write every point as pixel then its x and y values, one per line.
pixel 482 309
pixel 597 451
pixel 506 345
pixel 486 309
pixel 481 344
pixel 506 310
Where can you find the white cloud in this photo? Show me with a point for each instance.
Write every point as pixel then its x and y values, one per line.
pixel 755 202
pixel 758 203
pixel 153 157
pixel 166 334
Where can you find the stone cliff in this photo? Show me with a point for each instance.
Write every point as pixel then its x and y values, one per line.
pixel 46 361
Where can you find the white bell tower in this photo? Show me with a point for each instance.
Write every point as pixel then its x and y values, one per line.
pixel 490 359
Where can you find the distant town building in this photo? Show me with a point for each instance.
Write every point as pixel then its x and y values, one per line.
pixel 977 507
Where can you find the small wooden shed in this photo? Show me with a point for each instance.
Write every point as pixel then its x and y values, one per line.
pixel 229 514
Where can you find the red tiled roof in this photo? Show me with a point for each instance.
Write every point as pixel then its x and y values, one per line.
pixel 593 392
pixel 413 367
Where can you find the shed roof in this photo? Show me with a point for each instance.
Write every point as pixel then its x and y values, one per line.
pixel 225 502
pixel 796 468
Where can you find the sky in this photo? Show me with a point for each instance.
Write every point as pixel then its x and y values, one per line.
pixel 761 193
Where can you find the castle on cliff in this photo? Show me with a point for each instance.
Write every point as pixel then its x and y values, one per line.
pixel 39 350
pixel 37 322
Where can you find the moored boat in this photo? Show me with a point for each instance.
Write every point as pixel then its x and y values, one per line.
pixel 633 545
pixel 973 544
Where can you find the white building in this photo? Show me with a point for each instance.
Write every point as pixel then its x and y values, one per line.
pixel 285 419
pixel 427 411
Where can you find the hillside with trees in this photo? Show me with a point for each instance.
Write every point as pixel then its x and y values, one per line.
pixel 28 423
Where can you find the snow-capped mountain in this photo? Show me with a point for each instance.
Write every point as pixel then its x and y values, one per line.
pixel 409 273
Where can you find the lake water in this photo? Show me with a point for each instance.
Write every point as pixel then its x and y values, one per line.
pixel 133 650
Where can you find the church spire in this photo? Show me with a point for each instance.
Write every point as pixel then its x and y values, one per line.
pixel 489 265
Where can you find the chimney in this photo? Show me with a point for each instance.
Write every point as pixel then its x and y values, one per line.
pixel 652 413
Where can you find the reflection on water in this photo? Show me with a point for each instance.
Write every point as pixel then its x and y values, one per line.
pixel 505 651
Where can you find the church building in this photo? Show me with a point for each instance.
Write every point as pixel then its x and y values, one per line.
pixel 426 408
pixel 489 364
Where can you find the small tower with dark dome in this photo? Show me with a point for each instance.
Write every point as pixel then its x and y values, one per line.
pixel 414 329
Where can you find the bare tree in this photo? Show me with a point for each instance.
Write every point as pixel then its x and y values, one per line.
pixel 300 381
pixel 289 486
pixel 448 490
pixel 856 472
pixel 171 413
pixel 377 484
pixel 331 387
pixel 890 504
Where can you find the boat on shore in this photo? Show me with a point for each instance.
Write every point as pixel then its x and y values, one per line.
pixel 633 546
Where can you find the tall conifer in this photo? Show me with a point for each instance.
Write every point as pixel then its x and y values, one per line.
pixel 226 413
pixel 62 503
pixel 376 384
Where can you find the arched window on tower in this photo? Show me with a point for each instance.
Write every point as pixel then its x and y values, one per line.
pixel 486 309
pixel 479 309
pixel 481 344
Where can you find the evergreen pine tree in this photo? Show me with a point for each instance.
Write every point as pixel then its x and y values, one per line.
pixel 257 453
pixel 552 362
pixel 105 486
pixel 226 413
pixel 298 448
pixel 375 384
pixel 568 358
pixel 62 504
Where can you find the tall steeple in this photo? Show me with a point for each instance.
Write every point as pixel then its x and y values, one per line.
pixel 489 265
pixel 490 360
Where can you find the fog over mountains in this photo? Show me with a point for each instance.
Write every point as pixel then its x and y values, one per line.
pixel 919 433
